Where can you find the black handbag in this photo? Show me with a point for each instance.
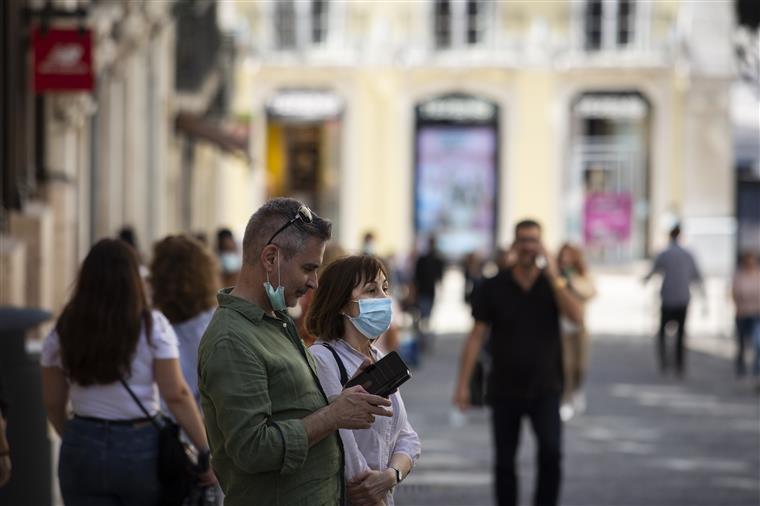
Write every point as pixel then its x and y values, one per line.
pixel 176 469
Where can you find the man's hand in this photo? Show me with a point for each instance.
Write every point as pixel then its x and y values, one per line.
pixel 462 397
pixel 370 487
pixel 551 262
pixel 354 408
pixel 207 478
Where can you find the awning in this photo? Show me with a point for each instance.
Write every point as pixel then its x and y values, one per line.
pixel 229 137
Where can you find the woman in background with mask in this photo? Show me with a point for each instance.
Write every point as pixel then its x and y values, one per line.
pixel 351 308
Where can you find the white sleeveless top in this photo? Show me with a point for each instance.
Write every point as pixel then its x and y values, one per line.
pixel 112 401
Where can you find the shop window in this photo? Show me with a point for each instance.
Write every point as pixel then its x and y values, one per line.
pixel 459 24
pixel 609 24
pixel 606 195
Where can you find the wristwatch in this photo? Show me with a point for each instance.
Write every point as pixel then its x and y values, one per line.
pixel 204 457
pixel 398 475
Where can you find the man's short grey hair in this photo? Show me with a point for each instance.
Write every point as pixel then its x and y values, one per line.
pixel 270 217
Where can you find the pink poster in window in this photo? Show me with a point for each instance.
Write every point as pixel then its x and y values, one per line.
pixel 607 217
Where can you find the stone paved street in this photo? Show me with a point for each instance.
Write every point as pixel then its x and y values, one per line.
pixel 645 439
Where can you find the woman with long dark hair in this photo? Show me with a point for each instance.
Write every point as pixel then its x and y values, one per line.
pixel 107 334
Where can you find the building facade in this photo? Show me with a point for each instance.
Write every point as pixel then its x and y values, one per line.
pixel 607 120
pixel 150 146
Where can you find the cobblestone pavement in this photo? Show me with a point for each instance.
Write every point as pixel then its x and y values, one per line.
pixel 644 440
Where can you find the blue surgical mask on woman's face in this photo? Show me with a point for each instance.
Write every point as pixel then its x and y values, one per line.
pixel 276 296
pixel 230 262
pixel 374 317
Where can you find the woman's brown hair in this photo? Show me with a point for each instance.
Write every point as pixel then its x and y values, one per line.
pixel 100 325
pixel 184 277
pixel 338 280
pixel 576 257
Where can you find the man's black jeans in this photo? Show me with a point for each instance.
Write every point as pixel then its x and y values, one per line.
pixel 543 413
pixel 678 316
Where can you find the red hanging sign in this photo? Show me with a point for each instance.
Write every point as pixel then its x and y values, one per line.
pixel 62 59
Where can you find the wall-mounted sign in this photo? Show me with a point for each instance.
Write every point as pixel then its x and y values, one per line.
pixel 613 107
pixel 305 105
pixel 62 60
pixel 457 108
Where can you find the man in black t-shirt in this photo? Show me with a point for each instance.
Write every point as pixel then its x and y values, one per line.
pixel 521 307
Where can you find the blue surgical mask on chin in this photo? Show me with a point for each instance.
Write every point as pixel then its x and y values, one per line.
pixel 276 296
pixel 374 317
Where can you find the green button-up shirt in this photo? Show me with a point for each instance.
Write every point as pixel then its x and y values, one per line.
pixel 257 381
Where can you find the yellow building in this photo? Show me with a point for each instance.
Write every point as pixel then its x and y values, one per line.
pixel 607 120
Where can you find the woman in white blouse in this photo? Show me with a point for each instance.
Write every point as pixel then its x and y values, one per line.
pixel 106 334
pixel 351 308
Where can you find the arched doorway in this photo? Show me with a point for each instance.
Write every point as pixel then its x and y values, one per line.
pixel 456 173
pixel 304 128
pixel 607 179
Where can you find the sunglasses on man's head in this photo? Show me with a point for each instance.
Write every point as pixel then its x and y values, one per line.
pixel 303 214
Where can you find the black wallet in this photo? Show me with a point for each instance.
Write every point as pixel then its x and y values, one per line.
pixel 383 377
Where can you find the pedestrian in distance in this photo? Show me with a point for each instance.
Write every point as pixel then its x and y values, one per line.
pixel 272 429
pixel 229 256
pixel 107 342
pixel 521 308
pixel 350 310
pixel 575 338
pixel 679 272
pixel 746 295
pixel 428 273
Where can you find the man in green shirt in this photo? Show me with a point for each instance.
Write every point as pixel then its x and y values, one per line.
pixel 272 431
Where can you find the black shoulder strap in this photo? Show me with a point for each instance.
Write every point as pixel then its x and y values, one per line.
pixel 341 367
pixel 142 408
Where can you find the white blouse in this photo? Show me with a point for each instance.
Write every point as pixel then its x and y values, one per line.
pixel 112 401
pixel 367 448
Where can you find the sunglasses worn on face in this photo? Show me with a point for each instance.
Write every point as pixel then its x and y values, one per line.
pixel 303 214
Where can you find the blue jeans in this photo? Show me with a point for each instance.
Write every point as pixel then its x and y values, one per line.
pixel 747 330
pixel 109 465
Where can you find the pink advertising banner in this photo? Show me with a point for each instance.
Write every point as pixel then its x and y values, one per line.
pixel 607 217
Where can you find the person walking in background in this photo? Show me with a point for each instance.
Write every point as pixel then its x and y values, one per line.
pixel 369 243
pixel 575 339
pixel 428 272
pixel 521 307
pixel 106 342
pixel 746 295
pixel 272 429
pixel 229 256
pixel 351 309
pixel 185 278
pixel 472 265
pixel 679 271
